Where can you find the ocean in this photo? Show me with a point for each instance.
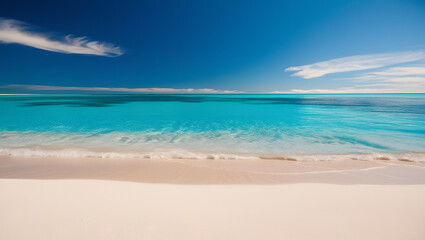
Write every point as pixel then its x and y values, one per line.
pixel 215 126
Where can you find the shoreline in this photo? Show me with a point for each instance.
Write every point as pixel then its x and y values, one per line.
pixel 212 171
pixel 179 154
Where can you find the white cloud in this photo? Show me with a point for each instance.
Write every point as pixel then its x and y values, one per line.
pixel 353 90
pixel 384 87
pixel 12 31
pixel 405 74
pixel 360 62
pixel 106 89
pixel 395 74
pixel 407 79
pixel 401 71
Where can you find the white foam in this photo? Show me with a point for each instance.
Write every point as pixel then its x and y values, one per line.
pixel 171 154
pixel 183 154
pixel 407 156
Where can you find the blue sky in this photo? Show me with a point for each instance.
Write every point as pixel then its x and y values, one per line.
pixel 212 46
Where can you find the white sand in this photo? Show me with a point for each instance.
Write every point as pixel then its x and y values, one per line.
pixel 387 202
pixel 96 209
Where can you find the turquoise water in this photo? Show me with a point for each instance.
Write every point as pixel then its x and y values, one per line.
pixel 219 124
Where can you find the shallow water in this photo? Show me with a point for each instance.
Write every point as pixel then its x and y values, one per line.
pixel 222 125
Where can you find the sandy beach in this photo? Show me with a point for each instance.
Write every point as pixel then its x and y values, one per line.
pixel 212 120
pixel 75 198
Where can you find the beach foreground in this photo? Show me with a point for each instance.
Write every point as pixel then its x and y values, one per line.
pixel 48 198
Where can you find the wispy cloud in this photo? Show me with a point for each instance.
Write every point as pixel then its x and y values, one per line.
pixel 107 89
pixel 401 71
pixel 395 74
pixel 12 31
pixel 360 62
pixel 406 79
pixel 383 88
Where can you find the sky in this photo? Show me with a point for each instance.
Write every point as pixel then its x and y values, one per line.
pixel 303 46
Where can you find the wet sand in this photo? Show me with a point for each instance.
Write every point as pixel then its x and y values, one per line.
pixel 187 171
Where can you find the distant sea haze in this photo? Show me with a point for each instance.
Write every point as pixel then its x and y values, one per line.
pixel 368 126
